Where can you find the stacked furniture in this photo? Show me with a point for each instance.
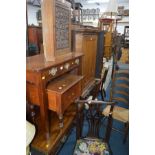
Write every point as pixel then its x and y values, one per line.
pixel 120 95
pixel 34 39
pixel 53 79
pixel 30 132
pixel 57 77
pixel 106 25
pixel 90 42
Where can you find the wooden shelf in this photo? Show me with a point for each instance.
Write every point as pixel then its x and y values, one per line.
pixel 57 135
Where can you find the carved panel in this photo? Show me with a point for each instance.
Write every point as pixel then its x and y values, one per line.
pixel 62 27
pixel 56 24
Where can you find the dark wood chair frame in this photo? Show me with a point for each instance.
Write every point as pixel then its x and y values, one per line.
pixel 93 116
pixel 114 92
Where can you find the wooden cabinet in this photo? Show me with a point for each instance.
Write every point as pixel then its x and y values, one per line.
pixel 56 23
pixel 86 43
pixel 39 73
pixel 108 45
pixel 89 49
pixel 35 36
pixel 99 55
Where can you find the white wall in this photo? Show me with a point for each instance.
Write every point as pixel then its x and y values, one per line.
pixel 121 24
pixel 31 11
pixel 120 27
pixel 102 7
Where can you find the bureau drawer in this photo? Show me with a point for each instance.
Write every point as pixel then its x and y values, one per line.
pixel 52 101
pixel 32 93
pixel 63 91
pixel 69 96
pixel 60 69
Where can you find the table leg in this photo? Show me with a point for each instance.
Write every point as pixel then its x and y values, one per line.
pixel 44 110
pixel 44 117
pixel 61 120
pixel 32 113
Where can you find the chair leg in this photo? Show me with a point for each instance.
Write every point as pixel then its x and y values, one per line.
pixel 109 128
pixel 32 111
pixel 79 121
pixel 126 132
pixel 110 150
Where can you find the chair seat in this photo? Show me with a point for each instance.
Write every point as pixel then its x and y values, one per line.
pixel 30 132
pixel 119 113
pixel 91 146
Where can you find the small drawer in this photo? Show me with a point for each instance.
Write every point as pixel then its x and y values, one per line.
pixel 32 94
pixel 63 91
pixel 60 69
pixel 69 96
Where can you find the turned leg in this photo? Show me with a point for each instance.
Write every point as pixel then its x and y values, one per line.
pixel 126 132
pixel 32 113
pixel 61 120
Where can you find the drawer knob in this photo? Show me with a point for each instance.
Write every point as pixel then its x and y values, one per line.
pixel 77 61
pixel 73 94
pixel 61 68
pixel 64 85
pixel 60 88
pixel 43 78
pixel 67 66
pixel 53 71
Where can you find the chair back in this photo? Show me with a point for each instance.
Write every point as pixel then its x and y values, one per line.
pixel 90 112
pixel 120 88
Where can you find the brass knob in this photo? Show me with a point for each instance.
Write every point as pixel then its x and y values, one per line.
pixel 67 66
pixel 60 88
pixel 61 68
pixel 77 61
pixel 43 78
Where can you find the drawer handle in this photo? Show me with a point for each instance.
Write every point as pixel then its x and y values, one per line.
pixel 73 94
pixel 61 68
pixel 53 71
pixel 77 61
pixel 67 66
pixel 59 88
pixel 43 78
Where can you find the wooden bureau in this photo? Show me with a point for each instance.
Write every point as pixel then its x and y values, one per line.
pixel 39 74
pixel 85 41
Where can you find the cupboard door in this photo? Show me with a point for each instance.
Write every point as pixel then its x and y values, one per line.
pixel 108 50
pixel 89 49
pixel 108 39
pixel 33 37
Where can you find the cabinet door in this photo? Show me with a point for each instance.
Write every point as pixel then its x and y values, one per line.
pixel 108 39
pixel 33 37
pixel 107 51
pixel 89 49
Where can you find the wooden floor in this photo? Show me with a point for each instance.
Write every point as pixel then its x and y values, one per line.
pixel 57 135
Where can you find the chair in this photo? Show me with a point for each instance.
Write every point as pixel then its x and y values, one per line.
pixel 90 111
pixel 106 77
pixel 120 95
pixel 30 133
